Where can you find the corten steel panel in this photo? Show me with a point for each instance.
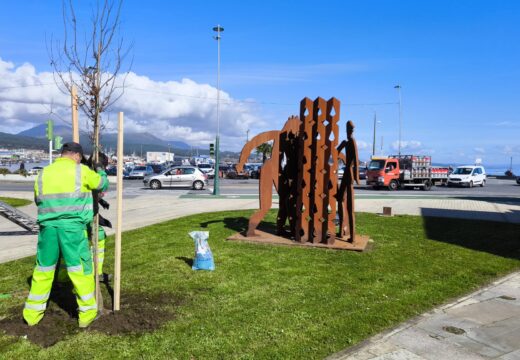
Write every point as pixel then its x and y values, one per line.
pixel 331 164
pixel 287 173
pixel 304 185
pixel 320 198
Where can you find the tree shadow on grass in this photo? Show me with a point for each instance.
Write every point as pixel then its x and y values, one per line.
pixel 493 237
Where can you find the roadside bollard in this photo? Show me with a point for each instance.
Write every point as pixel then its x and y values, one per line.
pixel 387 211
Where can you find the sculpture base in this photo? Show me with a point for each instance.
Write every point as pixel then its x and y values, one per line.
pixel 361 244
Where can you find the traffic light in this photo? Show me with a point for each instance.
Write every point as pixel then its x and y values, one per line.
pixel 48 131
pixel 57 143
pixel 211 149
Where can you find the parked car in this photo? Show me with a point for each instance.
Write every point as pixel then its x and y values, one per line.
pixel 35 170
pixel 157 168
pixel 467 175
pixel 206 168
pixel 518 180
pixel 255 173
pixel 112 171
pixel 139 172
pixel 178 176
pixel 362 172
pixel 232 173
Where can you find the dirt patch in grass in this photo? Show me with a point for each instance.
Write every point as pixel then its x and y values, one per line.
pixel 139 313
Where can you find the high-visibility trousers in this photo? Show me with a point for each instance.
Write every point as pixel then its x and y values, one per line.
pixel 101 249
pixel 62 272
pixel 72 242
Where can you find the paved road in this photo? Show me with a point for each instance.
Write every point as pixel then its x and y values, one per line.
pixel 494 189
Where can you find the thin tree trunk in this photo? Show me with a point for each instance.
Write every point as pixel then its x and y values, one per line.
pixel 95 227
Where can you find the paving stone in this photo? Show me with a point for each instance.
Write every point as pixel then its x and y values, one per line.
pixel 435 324
pixel 486 312
pixel 421 343
pixel 515 355
pixel 381 348
pixel 400 354
pixel 362 354
pixel 463 303
pixel 508 290
pixel 503 335
pixel 474 346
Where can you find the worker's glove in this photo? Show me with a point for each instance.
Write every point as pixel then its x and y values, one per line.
pixel 99 166
pixel 104 204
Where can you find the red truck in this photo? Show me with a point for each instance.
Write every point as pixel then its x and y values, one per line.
pixel 400 171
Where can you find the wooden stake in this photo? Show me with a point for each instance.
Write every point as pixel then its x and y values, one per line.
pixel 74 105
pixel 117 255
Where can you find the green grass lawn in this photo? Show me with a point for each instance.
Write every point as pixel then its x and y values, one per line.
pixel 15 201
pixel 273 302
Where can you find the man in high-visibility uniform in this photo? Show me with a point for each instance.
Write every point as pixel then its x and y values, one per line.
pixel 63 194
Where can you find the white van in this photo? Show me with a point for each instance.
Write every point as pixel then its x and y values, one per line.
pixel 468 175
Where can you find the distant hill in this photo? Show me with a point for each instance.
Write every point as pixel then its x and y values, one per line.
pixel 39 131
pixel 11 141
pixel 177 144
pixel 35 138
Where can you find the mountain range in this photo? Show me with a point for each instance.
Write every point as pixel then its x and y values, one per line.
pixel 35 138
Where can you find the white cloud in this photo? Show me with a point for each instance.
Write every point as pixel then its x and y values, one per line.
pixel 508 124
pixel 409 145
pixel 172 110
pixel 362 145
pixel 511 150
pixel 479 150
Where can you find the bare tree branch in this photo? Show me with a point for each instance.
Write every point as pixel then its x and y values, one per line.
pixel 93 65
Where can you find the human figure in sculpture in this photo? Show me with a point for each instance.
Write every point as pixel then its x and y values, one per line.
pixel 270 169
pixel 345 193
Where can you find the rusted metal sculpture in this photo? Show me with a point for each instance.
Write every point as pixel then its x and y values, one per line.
pixel 271 173
pixel 303 168
pixel 345 194
pixel 317 182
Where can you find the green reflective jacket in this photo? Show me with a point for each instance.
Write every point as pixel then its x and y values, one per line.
pixel 63 193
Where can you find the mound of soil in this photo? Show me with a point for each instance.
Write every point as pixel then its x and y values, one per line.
pixel 139 313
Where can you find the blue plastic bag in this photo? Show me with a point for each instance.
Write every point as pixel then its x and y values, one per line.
pixel 203 256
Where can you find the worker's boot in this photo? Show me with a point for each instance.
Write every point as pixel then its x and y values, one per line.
pixel 86 324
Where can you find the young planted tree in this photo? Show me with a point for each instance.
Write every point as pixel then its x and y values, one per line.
pixel 90 59
pixel 265 149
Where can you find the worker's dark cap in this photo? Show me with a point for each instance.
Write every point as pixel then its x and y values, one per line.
pixel 72 147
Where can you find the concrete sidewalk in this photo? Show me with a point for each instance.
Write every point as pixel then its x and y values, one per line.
pixel 482 325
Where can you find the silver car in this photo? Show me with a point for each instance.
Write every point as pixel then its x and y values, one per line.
pixel 178 176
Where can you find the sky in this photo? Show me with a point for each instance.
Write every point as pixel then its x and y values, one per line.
pixel 457 63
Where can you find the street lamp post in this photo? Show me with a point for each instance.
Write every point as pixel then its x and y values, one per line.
pixel 216 189
pixel 398 87
pixel 374 139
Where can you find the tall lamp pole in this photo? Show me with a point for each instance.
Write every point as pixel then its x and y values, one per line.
pixel 398 87
pixel 374 139
pixel 216 188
